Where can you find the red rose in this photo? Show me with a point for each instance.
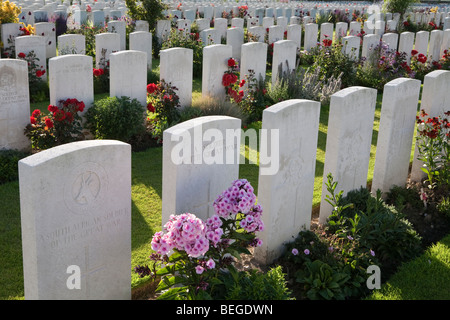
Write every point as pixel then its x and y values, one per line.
pixel 151 88
pixel 69 116
pixel 59 115
pixel 36 113
pixel 21 55
pixel 32 120
pixel 97 72
pixel 49 123
pixel 80 106
pixel 52 108
pixel 231 62
pixel 39 73
pixel 150 108
pixel 414 52
pixel 241 84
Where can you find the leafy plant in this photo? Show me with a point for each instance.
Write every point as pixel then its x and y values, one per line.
pixel 148 10
pixel 9 164
pixel 62 125
pixel 253 285
pixel 433 137
pixel 116 118
pixel 204 249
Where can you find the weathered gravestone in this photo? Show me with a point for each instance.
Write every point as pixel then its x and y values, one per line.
pixel 284 55
pixel 285 192
pixel 200 160
pixel 71 44
pixel 75 203
pixel 26 44
pixel 71 77
pixel 435 101
pixel 176 68
pixel 214 65
pixel 398 115
pixel 14 104
pixel 128 75
pixel 349 139
pixel 105 44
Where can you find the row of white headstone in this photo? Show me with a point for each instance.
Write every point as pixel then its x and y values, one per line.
pixel 76 198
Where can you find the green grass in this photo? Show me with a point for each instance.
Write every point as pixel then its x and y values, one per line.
pixel 425 278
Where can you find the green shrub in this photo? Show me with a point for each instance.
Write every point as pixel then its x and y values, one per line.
pixel 254 285
pixel 116 118
pixel 380 227
pixel 9 164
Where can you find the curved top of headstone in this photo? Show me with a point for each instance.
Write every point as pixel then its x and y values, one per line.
pixel 52 153
pixel 200 121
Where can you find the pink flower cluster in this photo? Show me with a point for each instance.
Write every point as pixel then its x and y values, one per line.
pixel 240 198
pixel 183 232
pixel 214 231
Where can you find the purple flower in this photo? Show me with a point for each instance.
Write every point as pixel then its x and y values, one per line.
pixel 210 264
pixel 306 251
pixel 372 253
pixel 294 252
pixel 199 269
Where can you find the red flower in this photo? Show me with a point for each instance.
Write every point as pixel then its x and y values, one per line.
pixel 98 72
pixel 231 62
pixel 241 84
pixel 228 79
pixel 32 120
pixel 414 52
pixel 52 108
pixel 49 123
pixel 80 106
pixel 59 115
pixel 327 42
pixel 150 108
pixel 21 55
pixel 40 73
pixel 69 116
pixel 151 88
pixel 36 113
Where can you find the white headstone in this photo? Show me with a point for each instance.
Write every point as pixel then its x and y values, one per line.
pixel 435 101
pixel 294 33
pixel 391 39
pixel 71 77
pixel 284 54
pixel 26 44
pixel 254 57
pixel 108 43
pixel 370 41
pixel 395 134
pixel 436 37
pixel 406 44
pixel 48 31
pixel 421 44
pixel 326 31
pixel 311 32
pixel 14 104
pixel 235 39
pixel 348 141
pixel 119 27
pixel 128 75
pixel 200 160
pixel 77 245
pixel 176 67
pixel 214 65
pixel 71 44
pixel 350 46
pixel 286 194
pixel 142 41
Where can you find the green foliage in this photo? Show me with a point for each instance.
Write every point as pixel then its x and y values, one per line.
pixel 397 6
pixel 379 227
pixel 148 10
pixel 332 63
pixel 38 88
pixel 254 285
pixel 62 125
pixel 116 118
pixel 9 164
